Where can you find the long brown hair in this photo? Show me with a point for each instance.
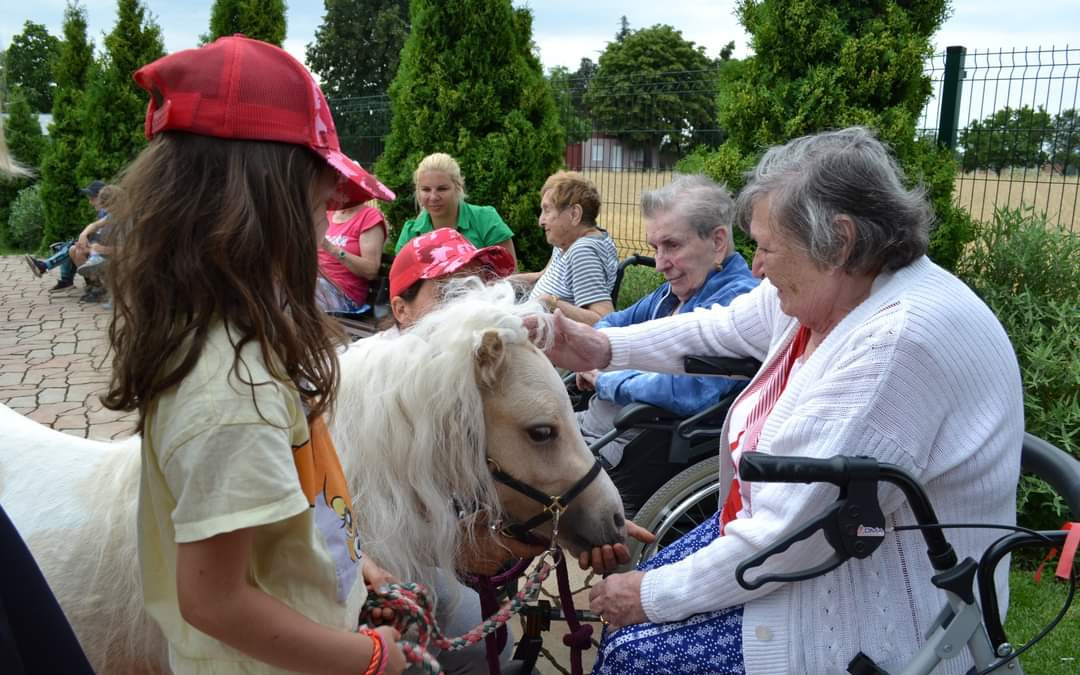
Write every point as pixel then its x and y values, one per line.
pixel 214 229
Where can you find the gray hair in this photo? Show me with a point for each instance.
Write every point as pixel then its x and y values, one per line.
pixel 813 180
pixel 701 203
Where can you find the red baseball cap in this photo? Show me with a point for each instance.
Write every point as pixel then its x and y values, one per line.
pixel 441 252
pixel 236 87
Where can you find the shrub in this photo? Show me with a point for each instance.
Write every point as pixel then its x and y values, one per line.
pixel 26 218
pixel 1028 272
pixel 637 282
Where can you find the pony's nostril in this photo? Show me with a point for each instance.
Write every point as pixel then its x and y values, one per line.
pixel 619 520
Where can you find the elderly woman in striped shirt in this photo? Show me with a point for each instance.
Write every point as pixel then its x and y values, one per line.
pixel 867 348
pixel 580 275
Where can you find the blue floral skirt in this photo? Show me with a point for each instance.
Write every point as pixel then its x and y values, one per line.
pixel 704 643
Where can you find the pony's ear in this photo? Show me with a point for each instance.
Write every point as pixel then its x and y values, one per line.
pixel 489 359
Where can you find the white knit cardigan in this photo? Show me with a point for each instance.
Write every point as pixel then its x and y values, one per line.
pixel 921 374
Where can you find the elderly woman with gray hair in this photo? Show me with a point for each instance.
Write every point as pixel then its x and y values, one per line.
pixel 868 348
pixel 688 225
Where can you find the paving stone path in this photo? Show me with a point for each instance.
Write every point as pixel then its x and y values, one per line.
pixel 53 355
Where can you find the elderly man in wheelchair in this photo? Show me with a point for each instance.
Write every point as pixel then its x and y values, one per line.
pixel 688 225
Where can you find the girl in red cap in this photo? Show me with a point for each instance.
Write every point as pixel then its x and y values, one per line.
pixel 247 546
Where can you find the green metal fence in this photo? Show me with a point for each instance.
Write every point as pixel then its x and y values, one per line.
pixel 1010 115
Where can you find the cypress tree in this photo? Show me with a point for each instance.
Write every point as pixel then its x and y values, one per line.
pixel 113 108
pixel 22 131
pixel 257 19
pixel 356 54
pixel 66 210
pixel 470 85
pixel 855 64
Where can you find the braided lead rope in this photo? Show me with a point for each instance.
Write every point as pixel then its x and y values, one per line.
pixel 413 608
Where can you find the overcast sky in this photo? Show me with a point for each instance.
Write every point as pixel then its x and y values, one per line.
pixel 567 30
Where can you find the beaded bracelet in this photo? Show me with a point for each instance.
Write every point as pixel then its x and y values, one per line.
pixel 380 655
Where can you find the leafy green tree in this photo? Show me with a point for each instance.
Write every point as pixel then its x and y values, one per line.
pixel 653 84
pixel 470 85
pixel 1011 137
pixel 1065 142
pixel 22 131
pixel 258 19
pixel 820 66
pixel 29 63
pixel 565 88
pixel 356 54
pixel 113 108
pixel 66 210
pixel 358 46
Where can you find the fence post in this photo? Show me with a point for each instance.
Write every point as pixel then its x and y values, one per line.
pixel 950 96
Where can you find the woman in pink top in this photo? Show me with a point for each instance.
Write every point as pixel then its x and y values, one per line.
pixel 349 257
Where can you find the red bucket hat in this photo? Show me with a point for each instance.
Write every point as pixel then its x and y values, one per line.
pixel 236 87
pixel 441 252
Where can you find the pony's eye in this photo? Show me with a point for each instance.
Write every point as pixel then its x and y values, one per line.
pixel 541 434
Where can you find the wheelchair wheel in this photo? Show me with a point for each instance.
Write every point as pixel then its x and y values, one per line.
pixel 680 505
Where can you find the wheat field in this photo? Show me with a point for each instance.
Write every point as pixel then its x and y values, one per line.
pixel 979 192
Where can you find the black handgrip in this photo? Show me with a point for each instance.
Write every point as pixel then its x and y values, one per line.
pixel 735 368
pixel 756 466
pixel 822 522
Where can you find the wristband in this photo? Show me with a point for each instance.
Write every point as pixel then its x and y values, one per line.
pixel 380 655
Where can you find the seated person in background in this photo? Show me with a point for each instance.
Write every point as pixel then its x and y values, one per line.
pixel 349 257
pixel 440 196
pixel 688 224
pixel 74 253
pixel 427 260
pixel 580 275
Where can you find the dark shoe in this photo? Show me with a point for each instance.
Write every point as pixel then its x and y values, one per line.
pixel 62 285
pixel 95 294
pixel 36 266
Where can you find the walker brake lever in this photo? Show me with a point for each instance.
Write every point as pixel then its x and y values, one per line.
pixel 853 525
pixel 822 522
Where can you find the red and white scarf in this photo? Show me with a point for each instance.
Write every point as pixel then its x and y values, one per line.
pixel 767 389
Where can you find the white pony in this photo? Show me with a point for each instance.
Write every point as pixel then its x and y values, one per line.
pixel 416 420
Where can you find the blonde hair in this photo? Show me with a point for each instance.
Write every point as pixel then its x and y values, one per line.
pixel 570 187
pixel 440 161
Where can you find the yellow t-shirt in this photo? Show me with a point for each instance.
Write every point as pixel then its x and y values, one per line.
pixel 219 455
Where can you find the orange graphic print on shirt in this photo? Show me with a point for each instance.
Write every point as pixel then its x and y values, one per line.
pixel 323 482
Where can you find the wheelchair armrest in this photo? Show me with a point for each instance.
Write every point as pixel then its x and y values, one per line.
pixel 1055 466
pixel 708 423
pixel 736 369
pixel 637 414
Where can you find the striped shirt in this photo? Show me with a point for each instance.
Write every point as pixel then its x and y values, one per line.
pixel 583 274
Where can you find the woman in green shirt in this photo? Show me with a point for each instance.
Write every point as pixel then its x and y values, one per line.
pixel 440 194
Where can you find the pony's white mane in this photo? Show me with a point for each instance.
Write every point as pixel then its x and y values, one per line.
pixel 412 410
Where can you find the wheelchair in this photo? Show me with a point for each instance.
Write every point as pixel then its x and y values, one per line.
pixel 668 470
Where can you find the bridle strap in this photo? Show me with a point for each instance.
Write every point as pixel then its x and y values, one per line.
pixel 553 505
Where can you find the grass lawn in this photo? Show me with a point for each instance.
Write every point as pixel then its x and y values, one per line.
pixel 1031 607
